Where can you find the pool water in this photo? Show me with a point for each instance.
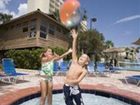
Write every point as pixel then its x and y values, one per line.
pixel 130 65
pixel 89 99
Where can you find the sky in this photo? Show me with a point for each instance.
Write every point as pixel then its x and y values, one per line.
pixel 118 20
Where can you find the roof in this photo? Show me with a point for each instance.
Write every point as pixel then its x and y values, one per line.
pixel 114 50
pixel 34 12
pixel 137 42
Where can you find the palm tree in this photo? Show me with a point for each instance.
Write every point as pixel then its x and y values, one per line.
pixel 109 44
pixel 5 17
pixel 91 41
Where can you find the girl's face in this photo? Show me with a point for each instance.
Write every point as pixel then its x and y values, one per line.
pixel 49 52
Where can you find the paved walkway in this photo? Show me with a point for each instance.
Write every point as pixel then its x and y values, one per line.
pixel 114 80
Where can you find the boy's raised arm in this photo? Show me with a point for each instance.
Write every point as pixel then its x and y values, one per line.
pixel 74 43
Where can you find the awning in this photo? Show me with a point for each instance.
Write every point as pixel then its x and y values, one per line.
pixel 114 50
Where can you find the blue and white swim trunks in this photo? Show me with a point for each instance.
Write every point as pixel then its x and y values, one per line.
pixel 72 93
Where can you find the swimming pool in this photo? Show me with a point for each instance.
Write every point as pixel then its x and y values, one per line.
pixel 89 99
pixel 130 65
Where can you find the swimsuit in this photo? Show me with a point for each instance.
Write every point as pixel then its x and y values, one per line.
pixel 47 69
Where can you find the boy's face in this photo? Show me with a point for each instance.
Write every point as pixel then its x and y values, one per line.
pixel 83 60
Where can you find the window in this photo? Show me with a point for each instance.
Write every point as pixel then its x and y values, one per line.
pixel 56 4
pixel 51 6
pixel 25 26
pixel 52 1
pixel 51 11
pixel 25 29
pixel 32 34
pixel 32 25
pixel 57 0
pixel 51 29
pixel 43 35
pixel 43 28
pixel 32 28
pixel 43 22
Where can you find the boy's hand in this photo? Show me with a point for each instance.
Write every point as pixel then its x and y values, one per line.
pixel 74 33
pixel 70 50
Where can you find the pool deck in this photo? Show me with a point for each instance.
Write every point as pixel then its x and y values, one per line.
pixel 113 83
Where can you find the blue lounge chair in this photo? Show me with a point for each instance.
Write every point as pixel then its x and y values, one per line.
pixel 101 69
pixel 90 68
pixel 134 77
pixel 7 79
pixel 56 68
pixel 64 67
pixel 116 69
pixel 9 69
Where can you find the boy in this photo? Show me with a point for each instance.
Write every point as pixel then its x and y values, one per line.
pixel 76 73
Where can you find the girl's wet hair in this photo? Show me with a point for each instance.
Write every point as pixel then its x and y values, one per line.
pixel 51 49
pixel 43 54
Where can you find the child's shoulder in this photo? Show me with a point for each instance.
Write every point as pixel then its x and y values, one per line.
pixel 84 70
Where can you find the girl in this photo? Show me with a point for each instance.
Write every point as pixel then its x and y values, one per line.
pixel 46 73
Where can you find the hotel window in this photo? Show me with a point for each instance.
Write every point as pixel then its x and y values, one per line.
pixel 52 1
pixel 50 10
pixel 43 35
pixel 43 29
pixel 25 27
pixel 51 29
pixel 32 25
pixel 43 23
pixel 51 6
pixel 56 4
pixel 57 0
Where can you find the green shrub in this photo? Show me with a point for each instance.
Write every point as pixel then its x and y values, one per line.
pixel 29 58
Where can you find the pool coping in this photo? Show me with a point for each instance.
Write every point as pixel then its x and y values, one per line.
pixel 9 98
